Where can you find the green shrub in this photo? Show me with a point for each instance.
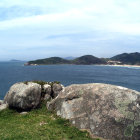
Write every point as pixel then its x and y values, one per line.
pixel 42 82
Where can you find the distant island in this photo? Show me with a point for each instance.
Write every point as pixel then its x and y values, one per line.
pixel 83 60
pixel 14 60
pixel 121 59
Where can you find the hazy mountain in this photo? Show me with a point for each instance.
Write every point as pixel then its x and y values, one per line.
pixel 15 60
pixel 70 58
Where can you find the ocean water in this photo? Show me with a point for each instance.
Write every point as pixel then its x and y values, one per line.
pixel 12 72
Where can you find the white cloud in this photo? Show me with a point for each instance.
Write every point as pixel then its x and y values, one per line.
pixel 104 22
pixel 94 14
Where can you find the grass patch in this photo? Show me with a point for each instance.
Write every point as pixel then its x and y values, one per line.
pixel 42 83
pixel 38 124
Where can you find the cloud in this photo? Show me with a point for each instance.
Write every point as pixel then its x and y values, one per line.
pixel 18 12
pixel 100 15
pixel 92 26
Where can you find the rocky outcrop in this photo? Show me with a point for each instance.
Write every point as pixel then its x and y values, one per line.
pixel 1 102
pixel 56 89
pixel 47 89
pixel 51 90
pixel 107 111
pixel 3 106
pixel 28 95
pixel 23 96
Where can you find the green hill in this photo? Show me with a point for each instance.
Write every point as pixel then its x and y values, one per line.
pixel 83 60
pixel 88 60
pixel 128 58
pixel 49 61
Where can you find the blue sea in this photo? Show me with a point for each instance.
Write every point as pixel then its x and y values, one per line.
pixel 12 72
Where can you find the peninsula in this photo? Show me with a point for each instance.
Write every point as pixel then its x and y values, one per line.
pixel 83 60
pixel 125 59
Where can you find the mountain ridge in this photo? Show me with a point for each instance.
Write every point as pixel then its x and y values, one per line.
pixel 128 58
pixel 121 59
pixel 83 60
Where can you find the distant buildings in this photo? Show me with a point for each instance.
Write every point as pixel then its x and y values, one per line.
pixel 110 62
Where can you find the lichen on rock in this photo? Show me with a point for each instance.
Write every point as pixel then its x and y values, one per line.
pixel 107 111
pixel 23 96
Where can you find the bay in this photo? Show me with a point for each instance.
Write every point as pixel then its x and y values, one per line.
pixel 12 72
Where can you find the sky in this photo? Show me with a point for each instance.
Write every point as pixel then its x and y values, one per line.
pixel 33 29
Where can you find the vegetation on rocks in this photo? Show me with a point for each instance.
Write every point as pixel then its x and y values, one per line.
pixel 38 124
pixel 105 111
pixel 28 95
pixel 40 82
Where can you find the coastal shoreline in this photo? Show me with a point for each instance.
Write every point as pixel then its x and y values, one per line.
pixel 138 66
pixel 125 65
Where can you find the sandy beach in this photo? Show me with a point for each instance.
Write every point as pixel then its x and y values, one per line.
pixel 124 65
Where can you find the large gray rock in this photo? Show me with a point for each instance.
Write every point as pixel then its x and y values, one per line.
pixel 1 102
pixel 23 96
pixel 56 89
pixel 3 106
pixel 47 89
pixel 107 111
pixel 47 97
